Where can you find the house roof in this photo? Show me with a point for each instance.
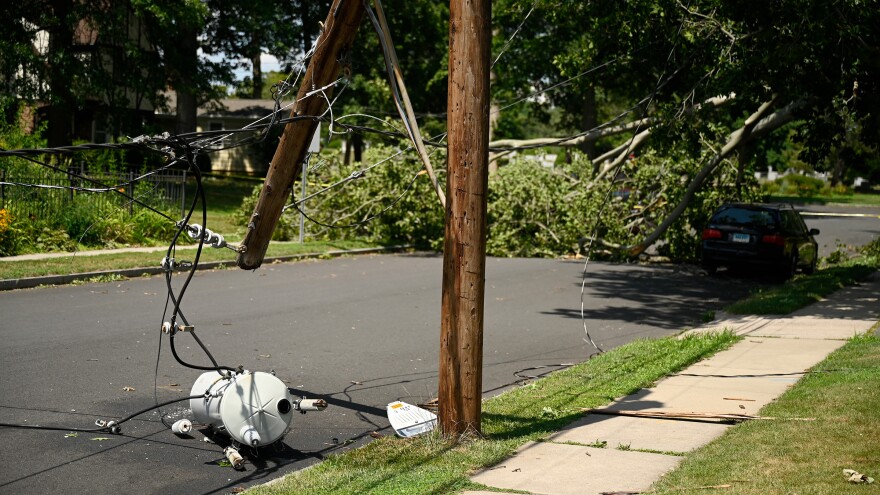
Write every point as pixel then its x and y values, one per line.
pixel 227 107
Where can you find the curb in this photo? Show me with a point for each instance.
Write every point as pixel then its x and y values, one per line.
pixel 31 282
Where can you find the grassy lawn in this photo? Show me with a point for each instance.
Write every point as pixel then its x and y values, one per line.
pixel 82 264
pixel 855 199
pixel 432 465
pixel 842 399
pixel 224 197
pixel 807 289
pixel 803 290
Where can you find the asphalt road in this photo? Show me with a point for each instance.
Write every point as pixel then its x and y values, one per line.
pixel 851 225
pixel 360 332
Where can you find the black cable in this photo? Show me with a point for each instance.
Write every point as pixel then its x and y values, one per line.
pixel 207 352
pixel 111 424
pixel 178 298
pixel 103 187
pixel 195 366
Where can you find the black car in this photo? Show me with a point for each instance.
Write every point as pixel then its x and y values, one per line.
pixel 773 236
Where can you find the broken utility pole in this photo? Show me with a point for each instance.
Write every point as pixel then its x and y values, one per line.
pixel 464 253
pixel 333 44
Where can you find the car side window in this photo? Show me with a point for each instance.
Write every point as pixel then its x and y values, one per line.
pixel 791 223
pixel 800 221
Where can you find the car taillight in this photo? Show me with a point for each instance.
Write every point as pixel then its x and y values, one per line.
pixel 711 234
pixel 776 240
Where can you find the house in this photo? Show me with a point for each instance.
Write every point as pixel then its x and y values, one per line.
pixel 230 114
pixel 109 100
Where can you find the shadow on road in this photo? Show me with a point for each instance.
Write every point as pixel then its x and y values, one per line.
pixel 665 296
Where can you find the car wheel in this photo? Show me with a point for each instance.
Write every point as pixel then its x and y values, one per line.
pixel 812 268
pixel 790 267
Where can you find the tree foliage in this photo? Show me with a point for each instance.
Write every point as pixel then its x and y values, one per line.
pixel 697 88
pixel 674 55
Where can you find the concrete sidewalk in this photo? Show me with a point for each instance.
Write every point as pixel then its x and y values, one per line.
pixel 740 380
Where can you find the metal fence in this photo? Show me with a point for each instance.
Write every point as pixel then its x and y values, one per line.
pixel 165 191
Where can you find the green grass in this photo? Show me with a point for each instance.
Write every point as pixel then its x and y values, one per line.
pixel 786 456
pixel 805 289
pixel 224 196
pixel 855 199
pixel 432 464
pixel 82 264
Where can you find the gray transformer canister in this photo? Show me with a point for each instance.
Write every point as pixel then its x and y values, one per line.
pixel 254 409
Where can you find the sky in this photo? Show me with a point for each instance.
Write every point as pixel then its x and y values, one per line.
pixel 267 63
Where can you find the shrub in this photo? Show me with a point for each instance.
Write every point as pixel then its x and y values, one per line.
pixel 872 249
pixel 78 220
pixel 285 230
pixel 390 203
pixel 528 214
pixel 800 185
pixel 149 226
pixel 532 210
pixel 8 236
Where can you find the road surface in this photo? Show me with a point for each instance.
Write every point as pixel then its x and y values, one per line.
pixel 360 332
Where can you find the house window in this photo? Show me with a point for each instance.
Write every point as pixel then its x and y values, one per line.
pixel 217 140
pixel 99 133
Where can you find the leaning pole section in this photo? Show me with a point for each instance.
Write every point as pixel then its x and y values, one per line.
pixel 464 253
pixel 311 102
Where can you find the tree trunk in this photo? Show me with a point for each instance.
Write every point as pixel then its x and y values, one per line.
pixel 837 171
pixel 185 85
pixel 743 157
pixel 755 126
pixel 349 146
pixel 589 121
pixel 257 74
pixel 310 26
pixel 357 145
pixel 61 106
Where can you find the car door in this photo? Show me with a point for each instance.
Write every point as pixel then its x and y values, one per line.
pixel 802 242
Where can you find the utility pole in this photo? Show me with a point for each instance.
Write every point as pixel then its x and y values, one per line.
pixel 334 43
pixel 464 253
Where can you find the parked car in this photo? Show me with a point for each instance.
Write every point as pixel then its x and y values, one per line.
pixel 772 236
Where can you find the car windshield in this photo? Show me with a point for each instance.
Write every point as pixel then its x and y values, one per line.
pixel 742 217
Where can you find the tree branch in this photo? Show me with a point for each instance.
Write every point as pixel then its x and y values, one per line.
pixel 758 124
pixel 568 141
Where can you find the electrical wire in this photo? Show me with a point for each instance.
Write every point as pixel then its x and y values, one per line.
pixel 177 299
pixel 515 32
pixel 109 427
pixel 660 83
pixel 398 91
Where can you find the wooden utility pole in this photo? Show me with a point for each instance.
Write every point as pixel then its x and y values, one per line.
pixel 333 45
pixel 464 254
